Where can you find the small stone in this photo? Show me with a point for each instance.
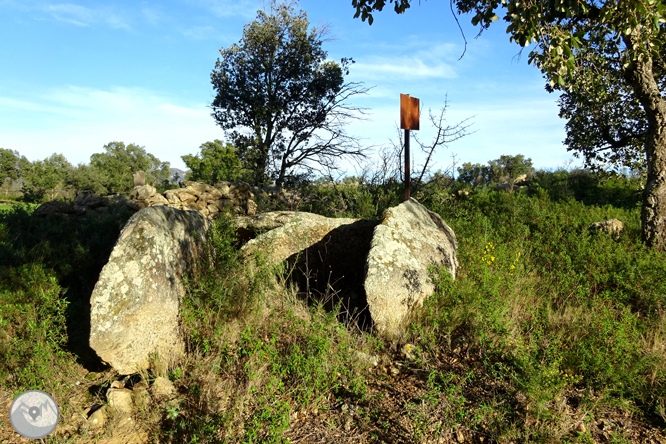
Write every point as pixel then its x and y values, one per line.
pixel 581 427
pixel 120 399
pixel 163 387
pixel 98 417
pixel 459 436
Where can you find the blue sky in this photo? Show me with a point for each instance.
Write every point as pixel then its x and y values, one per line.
pixel 75 76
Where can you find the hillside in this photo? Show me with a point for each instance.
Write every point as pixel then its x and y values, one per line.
pixel 551 332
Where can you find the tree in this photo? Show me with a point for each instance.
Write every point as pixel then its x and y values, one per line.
pixel 280 101
pixel 46 176
pixel 606 123
pixel 87 178
pixel 120 162
pixel 564 31
pixel 12 164
pixel 504 169
pixel 215 162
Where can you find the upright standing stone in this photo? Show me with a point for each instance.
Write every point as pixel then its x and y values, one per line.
pixel 409 239
pixel 135 303
pixel 139 179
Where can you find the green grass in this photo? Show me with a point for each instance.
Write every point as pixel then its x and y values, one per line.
pixel 547 326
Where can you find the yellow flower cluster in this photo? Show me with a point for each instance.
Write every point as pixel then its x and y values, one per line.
pixel 515 262
pixel 488 257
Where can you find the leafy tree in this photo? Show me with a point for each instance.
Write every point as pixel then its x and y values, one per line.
pixel 120 162
pixel 606 122
pixel 473 173
pixel 12 164
pixel 46 176
pixel 215 162
pixel 87 178
pixel 504 169
pixel 280 100
pixel 509 168
pixel 564 32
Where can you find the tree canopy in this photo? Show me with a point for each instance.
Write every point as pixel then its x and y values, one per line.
pixel 280 100
pixel 215 162
pixel 504 169
pixel 120 162
pixel 606 124
pixel 12 164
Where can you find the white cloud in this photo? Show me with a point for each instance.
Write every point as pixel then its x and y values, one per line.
pixel 75 14
pixel 83 16
pixel 153 15
pixel 78 122
pixel 400 68
pixel 202 33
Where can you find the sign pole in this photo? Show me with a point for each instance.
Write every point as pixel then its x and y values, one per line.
pixel 409 120
pixel 407 166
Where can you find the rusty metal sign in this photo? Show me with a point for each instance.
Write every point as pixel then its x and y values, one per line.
pixel 409 112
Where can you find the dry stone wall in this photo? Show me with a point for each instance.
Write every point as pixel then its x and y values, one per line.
pixel 239 198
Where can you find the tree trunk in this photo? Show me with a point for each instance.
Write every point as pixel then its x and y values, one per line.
pixel 640 75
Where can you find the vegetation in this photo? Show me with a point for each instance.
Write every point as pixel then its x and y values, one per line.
pixel 579 46
pixel 120 162
pixel 216 162
pixel 550 332
pixel 281 101
pixel 56 178
pixel 504 169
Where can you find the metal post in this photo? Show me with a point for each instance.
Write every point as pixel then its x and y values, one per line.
pixel 407 168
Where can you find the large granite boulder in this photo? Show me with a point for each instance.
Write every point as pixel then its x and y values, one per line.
pixel 408 240
pixel 135 303
pixel 295 232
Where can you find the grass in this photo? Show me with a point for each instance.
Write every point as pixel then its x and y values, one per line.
pixel 550 332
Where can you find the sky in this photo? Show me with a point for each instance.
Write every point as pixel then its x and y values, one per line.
pixel 76 76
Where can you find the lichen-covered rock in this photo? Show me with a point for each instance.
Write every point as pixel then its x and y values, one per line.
pixel 157 199
pixel 300 232
pixel 172 196
pixel 143 192
pixel 135 303
pixel 611 226
pixel 408 240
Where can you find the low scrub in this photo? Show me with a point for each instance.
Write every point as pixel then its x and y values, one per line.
pixel 550 332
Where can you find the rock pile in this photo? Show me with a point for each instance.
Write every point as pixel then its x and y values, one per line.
pixel 383 265
pixel 377 267
pixel 240 198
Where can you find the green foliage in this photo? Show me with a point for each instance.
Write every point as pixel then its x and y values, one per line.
pixel 588 187
pixel 280 123
pixel 216 162
pixel 87 178
pixel 120 162
pixel 46 178
pixel 504 169
pixel 12 164
pixel 606 124
pixel 32 328
pixel 550 306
